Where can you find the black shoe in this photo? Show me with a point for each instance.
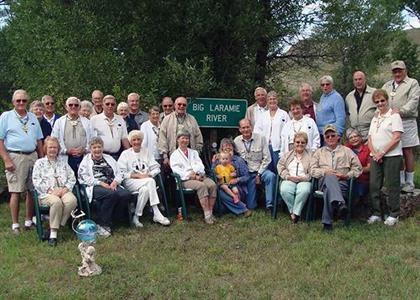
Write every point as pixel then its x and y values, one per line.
pixel 328 227
pixel 342 210
pixel 52 242
pixel 296 219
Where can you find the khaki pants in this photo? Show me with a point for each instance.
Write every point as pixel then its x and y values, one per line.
pixel 20 180
pixel 205 188
pixel 60 209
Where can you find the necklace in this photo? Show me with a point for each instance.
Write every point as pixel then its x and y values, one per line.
pixel 111 125
pixel 53 165
pixel 74 124
pixel 23 120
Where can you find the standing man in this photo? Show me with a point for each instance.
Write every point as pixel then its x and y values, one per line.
pixel 257 110
pixel 308 105
pixel 360 106
pixel 174 122
pixel 20 146
pixel 97 98
pixel 331 108
pixel 49 110
pixel 134 106
pixel 110 128
pixel 253 148
pixel 404 94
pixel 73 133
pixel 167 106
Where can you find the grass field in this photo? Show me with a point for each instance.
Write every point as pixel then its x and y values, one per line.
pixel 254 258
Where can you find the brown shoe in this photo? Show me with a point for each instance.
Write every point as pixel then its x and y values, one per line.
pixel 248 213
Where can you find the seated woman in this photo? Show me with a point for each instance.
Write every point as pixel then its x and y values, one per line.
pixel 100 173
pixel 188 165
pixel 138 166
pixel 361 185
pixel 53 179
pixel 385 146
pixel 122 110
pixel 294 169
pixel 241 179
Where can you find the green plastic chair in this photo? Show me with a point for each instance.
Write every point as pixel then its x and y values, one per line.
pixel 45 210
pixel 317 194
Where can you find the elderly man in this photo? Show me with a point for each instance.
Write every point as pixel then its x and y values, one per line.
pixel 257 110
pixel 333 164
pixel 360 106
pixel 20 140
pixel 174 122
pixel 253 148
pixel 73 133
pixel 308 105
pixel 167 106
pixel 111 128
pixel 404 98
pixel 49 110
pixel 150 130
pixel 133 101
pixel 97 98
pixel 331 108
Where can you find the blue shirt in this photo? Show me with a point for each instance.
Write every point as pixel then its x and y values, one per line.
pixel 13 135
pixel 331 110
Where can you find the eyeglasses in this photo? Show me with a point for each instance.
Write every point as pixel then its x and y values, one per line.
pixel 73 105
pixel 169 105
pixel 49 103
pixel 21 100
pixel 325 84
pixel 300 143
pixel 330 136
pixel 109 104
pixel 380 101
pixel 353 137
pixel 182 104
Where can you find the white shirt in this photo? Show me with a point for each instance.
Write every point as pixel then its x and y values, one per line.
pixel 111 131
pixel 51 121
pixel 183 165
pixel 151 133
pixel 259 113
pixel 271 127
pixel 305 124
pixel 381 129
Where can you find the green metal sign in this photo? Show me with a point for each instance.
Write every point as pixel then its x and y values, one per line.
pixel 217 112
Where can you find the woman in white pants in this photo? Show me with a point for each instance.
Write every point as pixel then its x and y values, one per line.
pixel 139 167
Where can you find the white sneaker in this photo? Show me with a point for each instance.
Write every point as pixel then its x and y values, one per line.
pixel 408 188
pixel 373 219
pixel 103 232
pixel 391 221
pixel 161 220
pixel 136 222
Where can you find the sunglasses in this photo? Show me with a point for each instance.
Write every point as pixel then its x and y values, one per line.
pixel 109 104
pixel 21 100
pixel 380 101
pixel 182 104
pixel 300 143
pixel 325 84
pixel 49 103
pixel 169 105
pixel 330 136
pixel 73 105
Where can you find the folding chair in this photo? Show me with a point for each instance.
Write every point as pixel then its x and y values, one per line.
pixel 45 210
pixel 317 194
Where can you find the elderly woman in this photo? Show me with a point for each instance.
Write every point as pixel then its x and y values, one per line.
pixel 102 176
pixel 139 167
pixel 123 111
pixel 299 123
pixel 150 129
pixel 270 126
pixel 384 140
pixel 241 179
pixel 187 163
pixel 86 108
pixel 294 169
pixel 355 143
pixel 53 179
pixel 37 108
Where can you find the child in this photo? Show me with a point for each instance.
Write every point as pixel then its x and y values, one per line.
pixel 225 171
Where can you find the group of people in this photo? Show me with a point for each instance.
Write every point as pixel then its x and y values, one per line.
pixel 117 155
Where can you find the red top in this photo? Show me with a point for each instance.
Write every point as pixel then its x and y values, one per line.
pixel 364 157
pixel 309 110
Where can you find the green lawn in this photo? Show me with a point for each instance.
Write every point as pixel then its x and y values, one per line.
pixel 250 258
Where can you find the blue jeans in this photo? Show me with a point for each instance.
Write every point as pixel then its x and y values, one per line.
pixel 228 205
pixel 269 180
pixel 274 159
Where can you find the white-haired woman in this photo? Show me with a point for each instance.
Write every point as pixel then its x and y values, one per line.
pixel 100 173
pixel 53 179
pixel 123 111
pixel 139 167
pixel 86 108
